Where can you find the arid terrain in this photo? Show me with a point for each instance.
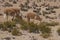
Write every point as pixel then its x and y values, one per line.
pixel 29 20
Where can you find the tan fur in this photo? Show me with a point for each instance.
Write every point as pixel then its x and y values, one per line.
pixel 38 18
pixel 32 16
pixel 9 11
pixel 12 11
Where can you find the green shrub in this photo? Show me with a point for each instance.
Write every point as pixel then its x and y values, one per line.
pixel 44 29
pixel 15 32
pixel 10 24
pixel 49 24
pixel 58 31
pixel 18 20
pixel 7 25
pixel 11 27
pixel 30 26
pixel 24 26
pixel 4 27
pixel 52 23
pixel 33 27
pixel 43 24
pixel 1 25
pixel 45 35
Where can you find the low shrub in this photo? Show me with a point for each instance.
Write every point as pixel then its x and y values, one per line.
pixel 10 24
pixel 44 29
pixel 4 27
pixel 24 26
pixel 15 32
pixel 58 31
pixel 1 25
pixel 45 35
pixel 7 25
pixel 33 27
pixel 49 24
pixel 52 23
pixel 18 20
pixel 30 26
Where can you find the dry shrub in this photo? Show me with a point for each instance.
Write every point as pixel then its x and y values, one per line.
pixel 31 27
pixel 7 25
pixel 45 30
pixel 45 35
pixel 16 32
pixel 58 31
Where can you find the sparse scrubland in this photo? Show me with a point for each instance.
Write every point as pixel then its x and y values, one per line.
pixel 24 17
pixel 31 27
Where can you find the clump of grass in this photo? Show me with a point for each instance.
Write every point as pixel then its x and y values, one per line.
pixel 1 25
pixel 33 27
pixel 10 26
pixel 42 27
pixel 24 26
pixel 7 25
pixel 45 35
pixel 58 31
pixel 52 23
pixel 30 26
pixel 19 20
pixel 45 30
pixel 16 32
